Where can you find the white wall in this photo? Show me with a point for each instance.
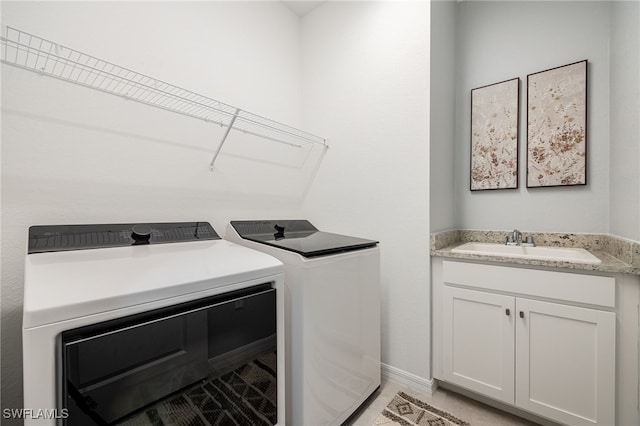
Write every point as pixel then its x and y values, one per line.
pixel 365 79
pixel 625 119
pixel 502 40
pixel 443 113
pixel 73 155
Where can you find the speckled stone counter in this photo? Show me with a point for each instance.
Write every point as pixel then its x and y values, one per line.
pixel 617 255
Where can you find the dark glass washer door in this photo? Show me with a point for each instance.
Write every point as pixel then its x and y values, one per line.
pixel 299 236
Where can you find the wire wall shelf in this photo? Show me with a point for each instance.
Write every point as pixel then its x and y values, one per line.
pixel 33 53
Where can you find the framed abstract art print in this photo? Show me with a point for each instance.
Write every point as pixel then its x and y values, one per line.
pixel 494 135
pixel 557 126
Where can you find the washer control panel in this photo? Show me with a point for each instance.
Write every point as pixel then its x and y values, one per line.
pixel 50 238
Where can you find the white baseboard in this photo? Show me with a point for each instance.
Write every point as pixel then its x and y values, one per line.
pixel 418 383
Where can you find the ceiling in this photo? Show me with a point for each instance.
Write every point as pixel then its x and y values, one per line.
pixel 301 8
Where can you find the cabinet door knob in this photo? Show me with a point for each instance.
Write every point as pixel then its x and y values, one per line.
pixel 521 314
pixel 507 311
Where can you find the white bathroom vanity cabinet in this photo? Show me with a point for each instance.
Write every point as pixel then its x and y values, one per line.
pixel 561 345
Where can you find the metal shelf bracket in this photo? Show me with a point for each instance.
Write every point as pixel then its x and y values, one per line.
pixel 224 138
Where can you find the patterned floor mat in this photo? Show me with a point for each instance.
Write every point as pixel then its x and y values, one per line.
pixel 406 410
pixel 245 396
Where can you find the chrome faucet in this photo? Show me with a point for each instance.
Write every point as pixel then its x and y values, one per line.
pixel 515 239
pixel 516 236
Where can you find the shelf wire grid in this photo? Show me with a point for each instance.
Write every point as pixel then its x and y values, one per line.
pixel 33 53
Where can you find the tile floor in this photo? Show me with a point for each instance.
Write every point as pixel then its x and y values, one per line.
pixel 474 412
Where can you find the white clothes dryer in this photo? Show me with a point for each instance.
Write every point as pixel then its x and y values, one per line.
pixel 332 316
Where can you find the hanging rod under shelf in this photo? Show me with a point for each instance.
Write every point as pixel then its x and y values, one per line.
pixel 33 53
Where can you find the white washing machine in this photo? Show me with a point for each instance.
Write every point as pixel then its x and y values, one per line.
pixel 332 316
pixel 161 323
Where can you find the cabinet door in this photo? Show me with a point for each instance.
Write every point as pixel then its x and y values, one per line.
pixel 478 342
pixel 565 358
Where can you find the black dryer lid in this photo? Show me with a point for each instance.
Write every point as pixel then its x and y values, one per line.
pixel 298 236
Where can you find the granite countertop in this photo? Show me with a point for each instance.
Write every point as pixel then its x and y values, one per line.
pixel 617 255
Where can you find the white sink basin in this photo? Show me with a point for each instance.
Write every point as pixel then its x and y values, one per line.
pixel 557 254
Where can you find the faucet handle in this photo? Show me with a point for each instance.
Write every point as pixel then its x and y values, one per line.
pixel 529 239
